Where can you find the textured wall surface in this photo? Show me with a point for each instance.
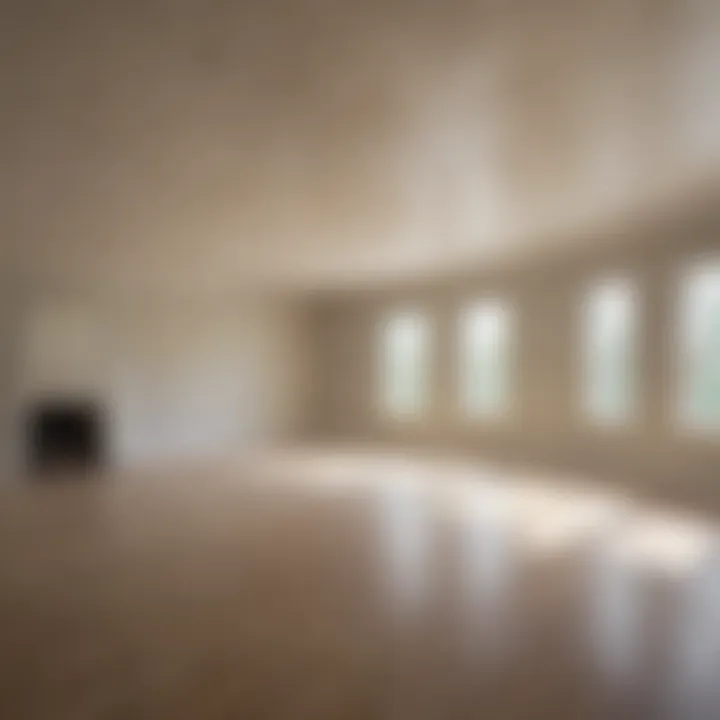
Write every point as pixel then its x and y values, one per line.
pixel 652 455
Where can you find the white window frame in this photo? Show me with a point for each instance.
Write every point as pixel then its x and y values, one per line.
pixel 593 414
pixel 422 405
pixel 506 409
pixel 681 413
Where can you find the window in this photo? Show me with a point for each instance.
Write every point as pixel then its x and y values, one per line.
pixel 609 326
pixel 486 359
pixel 404 364
pixel 699 349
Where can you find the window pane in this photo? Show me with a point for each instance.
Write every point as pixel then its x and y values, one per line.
pixel 404 364
pixel 609 323
pixel 700 349
pixel 485 359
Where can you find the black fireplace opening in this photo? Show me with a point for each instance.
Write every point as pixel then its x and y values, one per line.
pixel 65 435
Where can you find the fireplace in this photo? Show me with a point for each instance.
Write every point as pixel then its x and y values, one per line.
pixel 65 435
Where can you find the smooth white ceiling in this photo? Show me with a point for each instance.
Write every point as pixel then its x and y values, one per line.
pixel 329 141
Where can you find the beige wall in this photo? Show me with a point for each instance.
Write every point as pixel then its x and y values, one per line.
pixel 181 377
pixel 548 428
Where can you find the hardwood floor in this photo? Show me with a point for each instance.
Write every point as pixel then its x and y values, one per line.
pixel 349 586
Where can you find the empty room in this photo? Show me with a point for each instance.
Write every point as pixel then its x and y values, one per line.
pixel 360 359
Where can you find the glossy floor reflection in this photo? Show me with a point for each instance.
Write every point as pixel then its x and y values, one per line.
pixel 307 585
